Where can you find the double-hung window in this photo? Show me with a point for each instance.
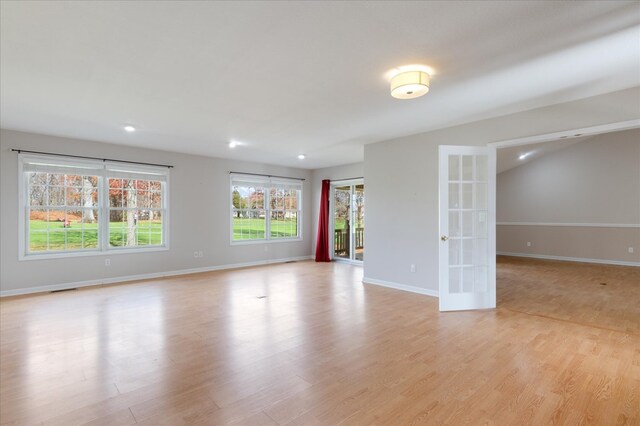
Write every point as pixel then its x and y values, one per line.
pixel 73 206
pixel 265 209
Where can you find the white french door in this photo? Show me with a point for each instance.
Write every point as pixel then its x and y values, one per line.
pixel 467 228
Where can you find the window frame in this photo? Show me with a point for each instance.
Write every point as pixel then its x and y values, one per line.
pixel 267 184
pixel 102 170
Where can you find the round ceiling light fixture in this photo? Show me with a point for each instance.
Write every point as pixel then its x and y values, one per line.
pixel 301 157
pixel 410 84
pixel 129 128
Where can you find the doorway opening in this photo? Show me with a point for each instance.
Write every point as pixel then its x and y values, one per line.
pixel 347 221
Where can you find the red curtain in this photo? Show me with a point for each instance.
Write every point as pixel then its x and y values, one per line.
pixel 322 245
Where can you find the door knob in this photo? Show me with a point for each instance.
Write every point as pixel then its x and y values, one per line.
pixel 444 238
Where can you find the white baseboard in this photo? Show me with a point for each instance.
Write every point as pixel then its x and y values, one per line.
pixel 122 279
pixel 569 259
pixel 403 287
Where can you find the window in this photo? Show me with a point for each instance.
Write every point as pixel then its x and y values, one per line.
pixel 265 209
pixel 72 207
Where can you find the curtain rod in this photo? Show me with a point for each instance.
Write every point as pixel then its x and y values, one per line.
pixel 353 178
pixel 270 176
pixel 90 158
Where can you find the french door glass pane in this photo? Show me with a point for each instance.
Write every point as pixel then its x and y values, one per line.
pixel 342 222
pixel 468 199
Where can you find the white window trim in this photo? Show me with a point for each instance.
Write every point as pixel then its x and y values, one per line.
pixel 103 212
pixel 267 239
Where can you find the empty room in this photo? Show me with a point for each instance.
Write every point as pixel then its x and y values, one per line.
pixel 319 212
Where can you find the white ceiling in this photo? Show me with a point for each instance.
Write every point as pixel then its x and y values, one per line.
pixel 286 78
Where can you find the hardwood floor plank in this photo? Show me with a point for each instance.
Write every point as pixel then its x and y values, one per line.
pixel 322 348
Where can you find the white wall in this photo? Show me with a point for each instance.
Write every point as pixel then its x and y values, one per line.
pixel 199 217
pixel 332 173
pixel 595 182
pixel 402 181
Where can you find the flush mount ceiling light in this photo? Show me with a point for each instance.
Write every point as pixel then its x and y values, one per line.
pixel 301 157
pixel 233 144
pixel 409 84
pixel 129 128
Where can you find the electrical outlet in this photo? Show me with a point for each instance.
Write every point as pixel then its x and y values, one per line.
pixel 195 254
pixel 200 253
pixel 630 249
pixel 413 267
pixel 528 243
pixel 107 262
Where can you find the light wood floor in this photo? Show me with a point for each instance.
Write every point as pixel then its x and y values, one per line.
pixel 322 348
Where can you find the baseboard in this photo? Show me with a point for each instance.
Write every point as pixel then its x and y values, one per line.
pixel 127 278
pixel 403 287
pixel 569 259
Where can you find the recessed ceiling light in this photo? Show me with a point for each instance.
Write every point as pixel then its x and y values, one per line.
pixel 129 128
pixel 233 144
pixel 301 157
pixel 525 155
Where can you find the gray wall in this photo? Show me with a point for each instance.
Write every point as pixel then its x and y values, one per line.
pixel 199 217
pixel 595 182
pixel 402 181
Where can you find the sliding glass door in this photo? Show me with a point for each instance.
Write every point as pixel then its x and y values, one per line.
pixel 348 221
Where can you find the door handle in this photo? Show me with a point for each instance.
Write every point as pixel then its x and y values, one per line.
pixel 444 238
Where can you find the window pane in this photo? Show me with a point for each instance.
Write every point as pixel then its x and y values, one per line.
pixel 284 224
pixel 130 195
pixel 467 167
pixel 38 230
pixel 249 225
pixel 74 196
pixel 481 167
pixel 61 229
pixel 56 239
pixel 116 227
pixel 467 195
pixel 454 252
pixel 115 192
pixel 155 199
pixel 56 196
pixel 454 195
pixel 257 199
pixel 37 179
pixel 481 196
pixel 38 195
pixel 56 179
pixel 90 229
pixel 73 180
pixel 155 228
pixel 454 167
pixel 454 224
